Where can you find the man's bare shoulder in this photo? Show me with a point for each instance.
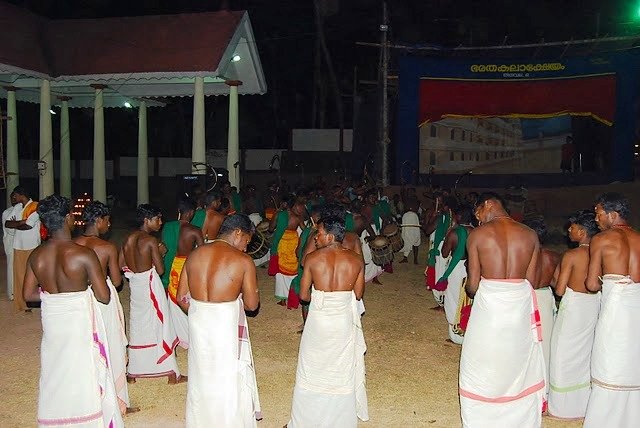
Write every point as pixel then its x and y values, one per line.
pixel 188 227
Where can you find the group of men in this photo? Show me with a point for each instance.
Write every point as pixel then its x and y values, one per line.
pixel 517 353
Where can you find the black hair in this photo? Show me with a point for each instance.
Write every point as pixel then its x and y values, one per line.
pixel 539 226
pixel 587 220
pixel 93 211
pixel 52 211
pixel 211 197
pixel 291 200
pixel 490 196
pixel 465 212
pixel 186 204
pixel 224 204
pixel 450 202
pixel 21 190
pixel 240 222
pixel 333 209
pixel 146 211
pixel 334 225
pixel 614 202
pixel 356 206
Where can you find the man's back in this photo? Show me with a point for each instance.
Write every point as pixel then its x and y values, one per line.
pixel 505 249
pixel 222 280
pixel 189 237
pixel 212 223
pixel 548 261
pixel 619 249
pixel 137 251
pixel 62 267
pixel 336 269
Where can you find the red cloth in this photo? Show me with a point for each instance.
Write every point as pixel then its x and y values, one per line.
pixel 430 280
pixel 465 313
pixel 274 266
pixel 293 301
pixel 441 285
pixel 388 268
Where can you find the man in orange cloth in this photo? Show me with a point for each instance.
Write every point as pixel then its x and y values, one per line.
pixel 284 260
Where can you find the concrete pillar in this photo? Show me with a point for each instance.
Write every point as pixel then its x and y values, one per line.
pixel 143 156
pixel 12 172
pixel 46 142
pixel 65 148
pixel 233 143
pixel 198 144
pixel 99 162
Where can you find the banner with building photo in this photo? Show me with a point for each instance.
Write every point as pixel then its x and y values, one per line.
pixel 519 117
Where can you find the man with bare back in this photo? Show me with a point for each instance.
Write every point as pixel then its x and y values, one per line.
pixel 502 376
pixel 218 283
pixel 214 218
pixel 97 221
pixel 615 373
pixel 284 260
pixel 75 382
pixel 361 228
pixel 152 337
pixel 330 387
pixel 574 329
pixel 180 237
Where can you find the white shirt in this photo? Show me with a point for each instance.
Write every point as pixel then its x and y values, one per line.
pixel 28 239
pixel 13 211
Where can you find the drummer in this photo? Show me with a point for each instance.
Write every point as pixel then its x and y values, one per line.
pixel 378 214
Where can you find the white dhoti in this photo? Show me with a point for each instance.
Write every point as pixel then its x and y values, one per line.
pixel 114 324
pixel 330 389
pixel 152 338
pixel 452 300
pixel 8 250
pixel 371 270
pixel 571 343
pixel 255 218
pixel 222 389
pixel 410 232
pixel 76 386
pixel 262 260
pixel 180 323
pixel 502 365
pixel 615 373
pixel 440 269
pixel 547 309
pixel 283 284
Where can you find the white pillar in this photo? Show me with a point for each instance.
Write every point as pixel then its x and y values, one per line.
pixel 143 156
pixel 99 164
pixel 65 149
pixel 46 141
pixel 233 143
pixel 198 145
pixel 12 172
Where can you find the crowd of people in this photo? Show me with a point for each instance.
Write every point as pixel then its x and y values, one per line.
pixel 192 285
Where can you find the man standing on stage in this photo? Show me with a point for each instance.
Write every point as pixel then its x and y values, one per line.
pixel 502 376
pixel 615 374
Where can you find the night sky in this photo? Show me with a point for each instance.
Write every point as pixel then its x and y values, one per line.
pixel 285 33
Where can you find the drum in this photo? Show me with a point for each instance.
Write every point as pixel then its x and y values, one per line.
pixel 259 245
pixel 263 227
pixel 381 251
pixel 392 233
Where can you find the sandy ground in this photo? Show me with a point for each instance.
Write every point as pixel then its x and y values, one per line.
pixel 412 372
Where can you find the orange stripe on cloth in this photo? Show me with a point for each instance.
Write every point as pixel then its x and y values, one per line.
pixel 29 209
pixel 174 276
pixel 504 399
pixel 287 257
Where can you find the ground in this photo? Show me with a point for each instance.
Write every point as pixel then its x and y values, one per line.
pixel 412 371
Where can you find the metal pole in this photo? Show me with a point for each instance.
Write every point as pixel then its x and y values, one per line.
pixel 385 107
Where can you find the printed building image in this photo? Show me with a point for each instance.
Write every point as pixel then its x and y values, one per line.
pixel 486 146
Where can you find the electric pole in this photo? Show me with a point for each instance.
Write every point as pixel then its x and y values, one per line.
pixel 384 27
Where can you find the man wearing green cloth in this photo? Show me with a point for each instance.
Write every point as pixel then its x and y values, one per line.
pixel 456 302
pixel 437 227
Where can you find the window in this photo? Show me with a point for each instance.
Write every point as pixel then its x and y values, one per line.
pixel 486 156
pixel 433 131
pixel 471 137
pixel 461 156
pixel 477 157
pixel 495 155
pixel 432 158
pixel 453 134
pixel 452 156
pixel 463 135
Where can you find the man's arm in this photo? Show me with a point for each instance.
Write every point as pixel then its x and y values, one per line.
pixel 358 287
pixel 30 289
pixel 565 267
pixel 306 280
pixel 274 221
pixel 17 224
pixel 450 243
pixel 533 270
pixel 250 293
pixel 113 270
pixel 96 277
pixel 156 258
pixel 473 265
pixel 197 237
pixel 183 288
pixel 595 263
pixel 310 246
